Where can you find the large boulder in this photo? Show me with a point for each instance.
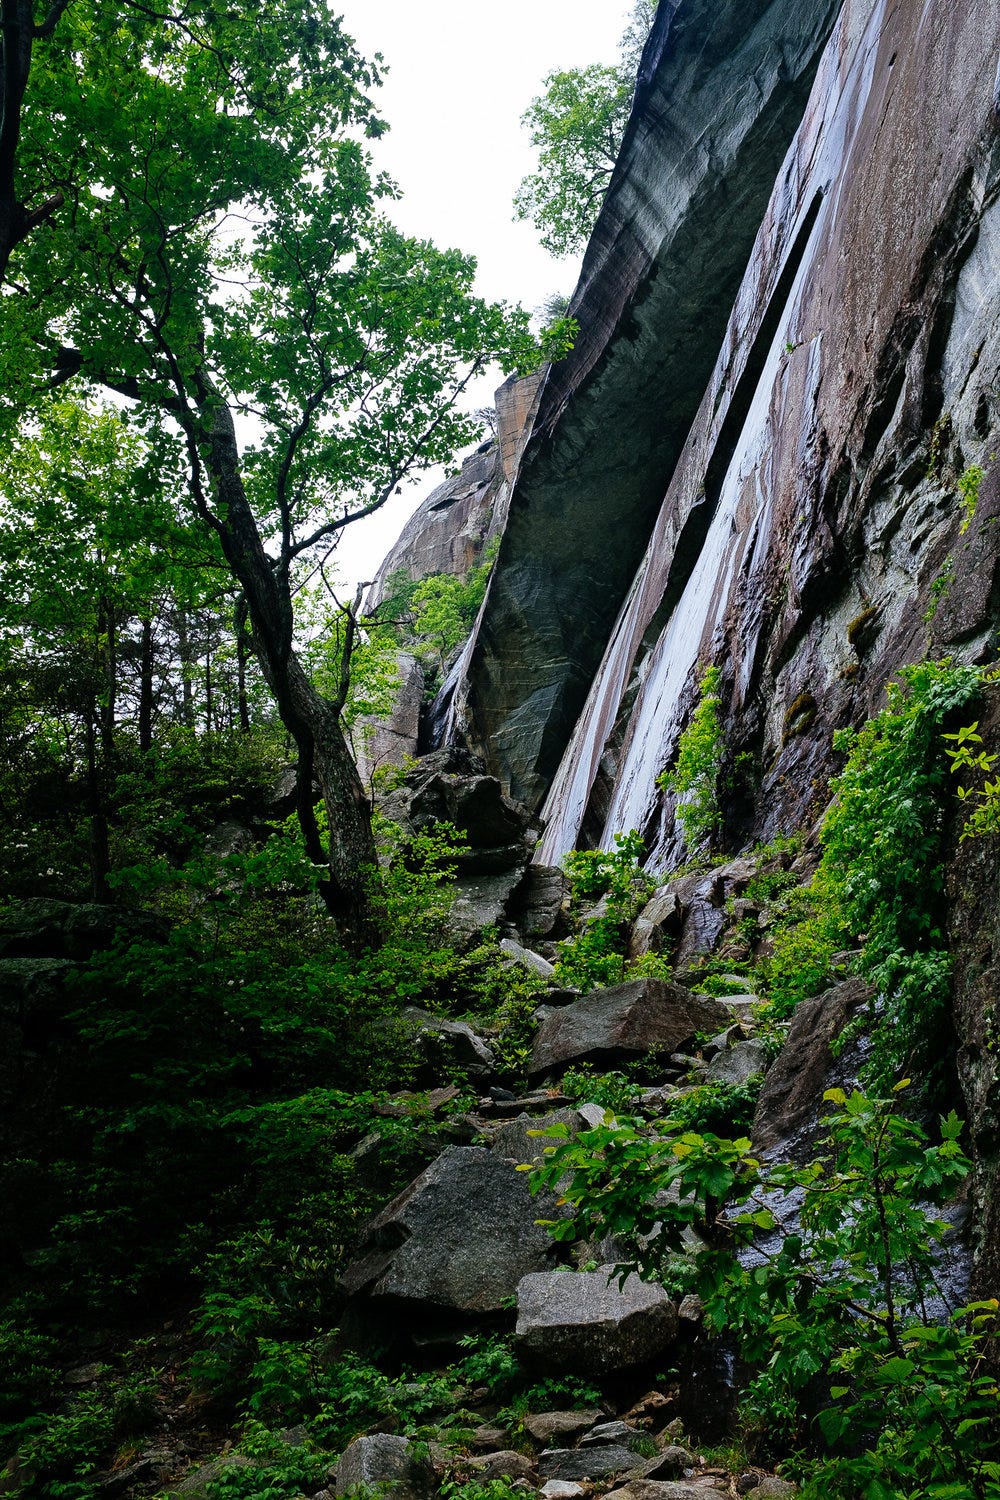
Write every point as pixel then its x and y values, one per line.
pixel 790 1102
pixel 739 1063
pixel 585 1322
pixel 460 1237
pixel 686 917
pixel 450 787
pixel 456 1042
pixel 383 1460
pixel 614 1025
pixel 46 928
pixel 586 1463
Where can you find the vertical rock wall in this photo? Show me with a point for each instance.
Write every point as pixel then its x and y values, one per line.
pixel 811 539
pixel 721 91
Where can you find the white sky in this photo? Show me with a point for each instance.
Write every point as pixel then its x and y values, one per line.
pixel 460 75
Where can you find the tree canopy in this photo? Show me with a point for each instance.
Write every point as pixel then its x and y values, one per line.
pixel 215 248
pixel 577 124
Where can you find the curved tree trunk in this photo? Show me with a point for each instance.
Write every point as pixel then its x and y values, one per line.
pixel 312 721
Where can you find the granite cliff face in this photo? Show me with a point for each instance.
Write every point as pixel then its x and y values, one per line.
pixel 791 473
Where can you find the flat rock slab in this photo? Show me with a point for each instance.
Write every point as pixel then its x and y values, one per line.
pixel 460 1237
pixel 584 1322
pixel 626 1021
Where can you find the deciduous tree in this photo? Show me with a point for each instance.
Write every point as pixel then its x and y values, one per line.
pixel 221 258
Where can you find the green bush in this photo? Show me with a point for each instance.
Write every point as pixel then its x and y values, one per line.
pixel 854 1375
pixel 694 779
pixel 880 882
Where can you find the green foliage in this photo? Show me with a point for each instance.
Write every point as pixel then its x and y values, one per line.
pixel 490 1361
pixel 577 125
pixel 880 880
pixel 694 780
pixel 279 1471
pixel 831 1305
pixel 58 1456
pixel 614 1090
pixel 968 493
pixel 984 817
pixel 454 1488
pixel 445 606
pixel 715 1107
pixel 596 956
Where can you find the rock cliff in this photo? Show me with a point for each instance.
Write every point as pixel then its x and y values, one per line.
pixel 810 537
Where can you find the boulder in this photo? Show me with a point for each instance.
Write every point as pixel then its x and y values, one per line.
pixel 610 1026
pixel 790 1102
pixel 666 1489
pixel 607 1433
pixel 463 1047
pixel 538 906
pixel 460 1237
pixel 527 959
pixel 450 786
pixel 585 1463
pixel 560 1489
pixel 585 1322
pixel 481 901
pixel 516 1142
pixel 504 1465
pixel 44 928
pixel 385 1460
pixel 546 1425
pixel 670 1464
pixel 735 1065
pixel 196 1485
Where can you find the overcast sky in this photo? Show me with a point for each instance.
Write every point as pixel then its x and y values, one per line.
pixel 460 75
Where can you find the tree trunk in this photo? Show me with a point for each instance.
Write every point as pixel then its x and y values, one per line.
pixel 146 688
pixel 208 681
pixel 184 649
pixel 242 703
pixel 313 723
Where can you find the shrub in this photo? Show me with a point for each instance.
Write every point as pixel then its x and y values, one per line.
pixel 694 779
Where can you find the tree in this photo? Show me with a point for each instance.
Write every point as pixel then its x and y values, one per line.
pixel 222 254
pixel 93 556
pixel 577 125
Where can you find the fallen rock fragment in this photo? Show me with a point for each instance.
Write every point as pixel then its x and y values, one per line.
pixel 504 1465
pixel 585 1463
pixel 385 1460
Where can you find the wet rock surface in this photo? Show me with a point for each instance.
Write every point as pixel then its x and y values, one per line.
pixel 658 279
